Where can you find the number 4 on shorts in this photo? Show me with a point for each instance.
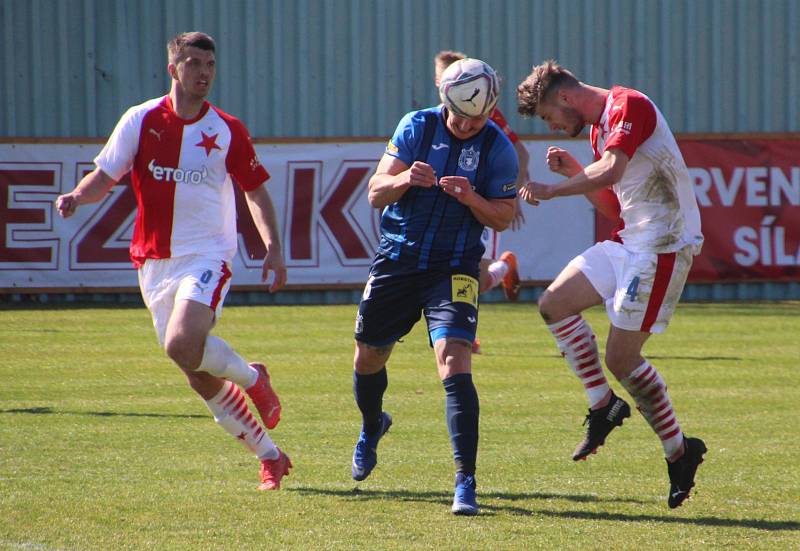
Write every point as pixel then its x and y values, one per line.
pixel 633 289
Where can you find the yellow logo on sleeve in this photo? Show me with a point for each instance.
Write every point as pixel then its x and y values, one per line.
pixel 391 148
pixel 465 289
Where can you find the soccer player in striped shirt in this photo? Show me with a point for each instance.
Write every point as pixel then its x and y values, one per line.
pixel 185 155
pixel 447 172
pixel 496 268
pixel 639 175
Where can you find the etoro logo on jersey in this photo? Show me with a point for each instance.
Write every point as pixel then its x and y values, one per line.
pixel 177 175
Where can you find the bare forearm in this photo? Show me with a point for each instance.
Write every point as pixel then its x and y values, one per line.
pixel 92 187
pixel 263 211
pixel 385 189
pixel 494 214
pixel 594 177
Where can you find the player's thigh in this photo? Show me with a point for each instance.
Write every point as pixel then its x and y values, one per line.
pixel 159 282
pixel 190 323
pixel 390 305
pixel 204 283
pixel 451 306
pixel 648 289
pixel 588 280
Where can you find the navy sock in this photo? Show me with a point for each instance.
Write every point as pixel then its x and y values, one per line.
pixel 462 410
pixel 368 390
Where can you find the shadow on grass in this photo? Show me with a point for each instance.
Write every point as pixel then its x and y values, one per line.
pixel 695 358
pixel 771 525
pixel 445 498
pixel 51 411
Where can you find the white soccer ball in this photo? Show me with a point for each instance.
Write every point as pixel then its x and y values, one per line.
pixel 469 88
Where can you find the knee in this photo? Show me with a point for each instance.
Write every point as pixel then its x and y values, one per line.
pixel 368 361
pixel 622 363
pixel 184 353
pixel 548 307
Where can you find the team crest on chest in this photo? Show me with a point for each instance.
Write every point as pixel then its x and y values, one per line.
pixel 468 160
pixel 208 143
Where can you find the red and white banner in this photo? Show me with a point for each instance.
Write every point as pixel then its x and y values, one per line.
pixel 319 189
pixel 749 197
pixel 748 192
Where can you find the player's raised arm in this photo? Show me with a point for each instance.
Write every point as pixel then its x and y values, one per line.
pixel 91 189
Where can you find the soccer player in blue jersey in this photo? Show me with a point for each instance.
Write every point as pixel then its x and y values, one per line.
pixel 447 172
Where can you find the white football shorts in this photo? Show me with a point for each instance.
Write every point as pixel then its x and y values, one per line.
pixel 165 281
pixel 491 243
pixel 641 290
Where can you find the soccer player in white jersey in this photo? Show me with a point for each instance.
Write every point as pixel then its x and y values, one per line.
pixel 496 269
pixel 185 155
pixel 639 176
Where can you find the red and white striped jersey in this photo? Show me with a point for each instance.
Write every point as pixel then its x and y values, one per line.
pixel 181 171
pixel 657 202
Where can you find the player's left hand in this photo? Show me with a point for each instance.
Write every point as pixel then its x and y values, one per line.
pixel 533 192
pixel 274 262
pixel 458 187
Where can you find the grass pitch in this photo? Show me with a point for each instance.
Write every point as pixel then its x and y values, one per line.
pixel 104 446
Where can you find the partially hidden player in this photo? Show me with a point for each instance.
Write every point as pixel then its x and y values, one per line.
pixel 496 268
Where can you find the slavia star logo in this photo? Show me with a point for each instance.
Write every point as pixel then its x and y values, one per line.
pixel 208 143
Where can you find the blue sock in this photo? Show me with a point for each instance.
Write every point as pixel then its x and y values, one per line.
pixel 462 410
pixel 368 390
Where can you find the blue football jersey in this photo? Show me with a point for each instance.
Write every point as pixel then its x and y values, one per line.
pixel 426 227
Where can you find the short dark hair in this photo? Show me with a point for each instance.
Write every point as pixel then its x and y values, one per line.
pixel 446 58
pixel 540 85
pixel 176 46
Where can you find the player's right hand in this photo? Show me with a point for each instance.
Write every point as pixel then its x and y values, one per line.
pixel 421 174
pixel 66 205
pixel 561 162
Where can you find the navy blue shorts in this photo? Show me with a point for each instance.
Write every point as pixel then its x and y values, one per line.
pixel 397 295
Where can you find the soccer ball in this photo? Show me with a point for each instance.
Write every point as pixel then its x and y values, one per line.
pixel 469 88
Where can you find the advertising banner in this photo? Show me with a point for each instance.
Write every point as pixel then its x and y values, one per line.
pixel 328 228
pixel 748 192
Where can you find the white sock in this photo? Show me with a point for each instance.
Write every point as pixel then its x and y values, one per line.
pixel 577 344
pixel 649 391
pixel 231 412
pixel 220 360
pixel 497 271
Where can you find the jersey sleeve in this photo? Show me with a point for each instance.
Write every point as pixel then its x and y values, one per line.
pixel 242 161
pixel 631 120
pixel 500 120
pixel 407 138
pixel 117 156
pixel 502 176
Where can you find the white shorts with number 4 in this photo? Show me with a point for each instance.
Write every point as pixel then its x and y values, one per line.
pixel 165 281
pixel 641 290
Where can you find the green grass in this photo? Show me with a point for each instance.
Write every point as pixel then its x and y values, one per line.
pixel 104 446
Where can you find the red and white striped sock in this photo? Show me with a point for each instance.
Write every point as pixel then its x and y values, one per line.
pixel 576 342
pixel 231 412
pixel 497 271
pixel 649 391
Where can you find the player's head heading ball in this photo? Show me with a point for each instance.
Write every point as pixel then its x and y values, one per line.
pixel 469 88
